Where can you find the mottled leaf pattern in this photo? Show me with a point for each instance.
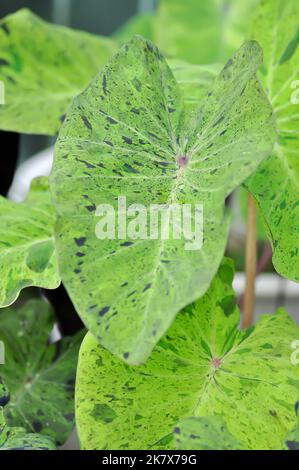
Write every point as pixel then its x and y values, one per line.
pixel 43 67
pixel 128 292
pixel 276 183
pixel 204 366
pixel 27 252
pixel 204 31
pixel 17 439
pixel 194 80
pixel 207 433
pixel 40 376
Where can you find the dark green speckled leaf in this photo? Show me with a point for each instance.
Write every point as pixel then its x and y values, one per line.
pixel 43 66
pixel 40 376
pixel 27 251
pixel 206 433
pixel 194 80
pixel 275 185
pixel 125 135
pixel 204 366
pixel 17 439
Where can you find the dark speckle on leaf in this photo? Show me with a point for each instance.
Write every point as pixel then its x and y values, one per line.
pixel 4 399
pixel 137 84
pixel 91 208
pixel 130 168
pixel 37 426
pixel 5 28
pixel 104 84
pixel 127 140
pixel 3 62
pixel 127 244
pixel 102 412
pixel 148 286
pixel 228 64
pixel 111 120
pixel 104 311
pixel 292 445
pixel 80 241
pixel 86 122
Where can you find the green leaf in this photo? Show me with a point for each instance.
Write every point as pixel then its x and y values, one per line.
pixel 43 67
pixel 39 375
pixel 27 251
pixel 125 135
pixel 194 80
pixel 275 185
pixel 204 31
pixel 204 366
pixel 207 433
pixel 17 439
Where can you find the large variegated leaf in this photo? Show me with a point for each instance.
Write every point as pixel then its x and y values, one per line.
pixel 27 252
pixel 18 439
pixel 276 183
pixel 206 433
pixel 204 31
pixel 204 366
pixel 40 376
pixel 42 67
pixel 128 135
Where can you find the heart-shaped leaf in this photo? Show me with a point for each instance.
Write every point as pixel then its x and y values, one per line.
pixel 39 375
pixel 204 366
pixel 207 433
pixel 128 135
pixel 42 67
pixel 27 251
pixel 276 183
